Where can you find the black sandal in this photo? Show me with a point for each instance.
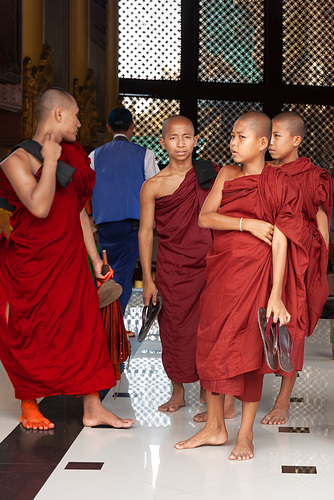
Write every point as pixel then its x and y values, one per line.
pixel 149 314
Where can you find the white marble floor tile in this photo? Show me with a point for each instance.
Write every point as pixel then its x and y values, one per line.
pixel 142 463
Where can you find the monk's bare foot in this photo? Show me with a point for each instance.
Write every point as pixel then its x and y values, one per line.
pixel 32 418
pixel 202 396
pixel 201 417
pixel 96 414
pixel 207 436
pixel 279 415
pixel 177 399
pixel 229 410
pixel 173 404
pixel 244 449
pixel 130 334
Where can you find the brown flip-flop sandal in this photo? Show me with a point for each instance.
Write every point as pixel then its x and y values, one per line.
pixel 285 348
pixel 269 338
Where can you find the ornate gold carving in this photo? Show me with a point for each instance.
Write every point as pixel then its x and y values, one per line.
pixel 89 116
pixel 35 80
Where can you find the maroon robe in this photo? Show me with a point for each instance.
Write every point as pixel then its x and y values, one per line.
pixel 239 280
pixel 55 342
pixel 182 249
pixel 316 189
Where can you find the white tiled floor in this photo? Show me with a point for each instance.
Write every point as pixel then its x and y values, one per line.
pixel 141 463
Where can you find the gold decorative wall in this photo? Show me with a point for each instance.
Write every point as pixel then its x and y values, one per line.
pixel 85 95
pixel 35 80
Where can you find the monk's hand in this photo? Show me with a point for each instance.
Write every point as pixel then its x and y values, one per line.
pixel 51 150
pixel 260 229
pixel 149 290
pixel 277 309
pixel 97 266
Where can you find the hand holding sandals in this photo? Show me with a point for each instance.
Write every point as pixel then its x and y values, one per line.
pixel 277 309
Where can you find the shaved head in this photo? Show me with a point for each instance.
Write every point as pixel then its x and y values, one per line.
pixel 176 119
pixel 259 122
pixel 293 121
pixel 50 99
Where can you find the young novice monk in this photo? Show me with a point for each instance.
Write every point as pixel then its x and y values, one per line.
pixel 288 131
pixel 252 210
pixel 173 199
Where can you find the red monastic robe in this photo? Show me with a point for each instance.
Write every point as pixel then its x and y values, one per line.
pixel 182 249
pixel 316 189
pixel 55 342
pixel 239 279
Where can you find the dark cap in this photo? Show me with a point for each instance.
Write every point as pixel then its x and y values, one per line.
pixel 119 117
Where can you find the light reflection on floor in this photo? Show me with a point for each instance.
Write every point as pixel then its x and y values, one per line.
pixel 142 464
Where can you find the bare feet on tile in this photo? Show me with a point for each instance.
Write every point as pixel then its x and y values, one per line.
pixel 177 399
pixel 229 410
pixel 32 418
pixel 210 435
pixel 279 415
pixel 96 414
pixel 244 449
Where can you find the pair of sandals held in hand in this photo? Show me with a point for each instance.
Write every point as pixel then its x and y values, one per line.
pixel 277 342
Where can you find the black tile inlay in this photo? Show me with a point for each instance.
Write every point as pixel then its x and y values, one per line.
pixel 124 395
pixel 296 400
pixel 299 469
pixel 28 457
pixel 84 465
pixel 296 430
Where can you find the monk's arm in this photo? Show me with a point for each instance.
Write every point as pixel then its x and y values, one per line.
pixel 90 243
pixel 210 218
pixel 36 196
pixel 323 224
pixel 279 252
pixel 145 237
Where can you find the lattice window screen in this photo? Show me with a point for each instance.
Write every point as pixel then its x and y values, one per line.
pixel 318 143
pixel 231 41
pixel 148 115
pixel 150 39
pixel 215 121
pixel 308 57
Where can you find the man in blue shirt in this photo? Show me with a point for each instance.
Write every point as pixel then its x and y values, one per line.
pixel 121 168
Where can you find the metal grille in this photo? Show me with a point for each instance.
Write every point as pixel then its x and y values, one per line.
pixel 215 121
pixel 231 41
pixel 148 115
pixel 308 42
pixel 318 144
pixel 150 39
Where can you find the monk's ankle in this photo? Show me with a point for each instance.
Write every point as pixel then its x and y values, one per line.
pixel 29 404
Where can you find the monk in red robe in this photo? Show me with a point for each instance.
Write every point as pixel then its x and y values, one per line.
pixel 253 210
pixel 288 131
pixel 173 199
pixel 54 342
